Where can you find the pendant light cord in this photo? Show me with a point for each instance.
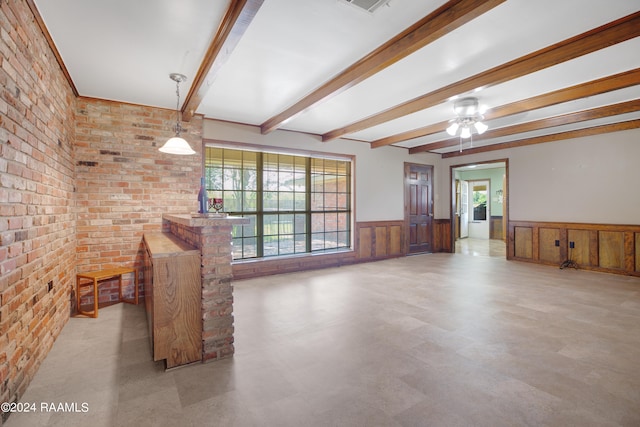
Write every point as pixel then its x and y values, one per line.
pixel 178 126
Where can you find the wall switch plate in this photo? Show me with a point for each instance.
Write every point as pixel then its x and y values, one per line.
pixel 572 245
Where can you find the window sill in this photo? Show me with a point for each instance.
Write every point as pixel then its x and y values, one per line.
pixel 293 256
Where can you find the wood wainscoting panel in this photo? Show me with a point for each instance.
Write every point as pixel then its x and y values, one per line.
pixel 395 240
pixel 495 227
pixel 380 239
pixel 581 250
pixel 374 241
pixel 549 252
pixel 629 251
pixel 611 249
pixel 523 242
pixel 637 250
pixel 365 242
pixel 441 235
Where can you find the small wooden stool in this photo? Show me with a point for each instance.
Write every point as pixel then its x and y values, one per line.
pixel 97 276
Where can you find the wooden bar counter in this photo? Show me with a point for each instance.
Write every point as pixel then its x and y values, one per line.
pixel 212 236
pixel 172 299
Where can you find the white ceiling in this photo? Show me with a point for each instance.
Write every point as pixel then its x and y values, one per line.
pixel 124 50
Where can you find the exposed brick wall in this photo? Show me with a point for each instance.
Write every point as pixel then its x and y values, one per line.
pixel 214 242
pixel 37 218
pixel 124 184
pixel 80 181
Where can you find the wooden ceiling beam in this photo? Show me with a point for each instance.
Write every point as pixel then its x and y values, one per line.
pixel 442 21
pixel 412 134
pixel 236 20
pixel 594 87
pixel 604 36
pixel 564 119
pixel 590 131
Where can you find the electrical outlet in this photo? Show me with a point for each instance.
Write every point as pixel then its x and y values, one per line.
pixel 50 286
pixel 557 242
pixel 572 245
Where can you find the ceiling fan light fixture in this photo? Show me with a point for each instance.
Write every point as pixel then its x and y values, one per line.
pixel 466 107
pixel 481 127
pixel 177 144
pixel 468 118
pixel 453 128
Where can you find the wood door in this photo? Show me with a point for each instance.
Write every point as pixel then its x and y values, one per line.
pixel 419 206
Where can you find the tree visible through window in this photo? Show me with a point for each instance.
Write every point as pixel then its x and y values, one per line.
pixel 479 202
pixel 295 204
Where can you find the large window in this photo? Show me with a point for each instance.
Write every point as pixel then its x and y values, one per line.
pixel 296 204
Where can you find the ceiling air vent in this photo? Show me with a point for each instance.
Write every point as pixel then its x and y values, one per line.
pixel 367 5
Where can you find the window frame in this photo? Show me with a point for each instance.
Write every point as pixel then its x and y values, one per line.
pixel 263 151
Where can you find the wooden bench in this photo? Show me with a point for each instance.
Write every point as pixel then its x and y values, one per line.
pixel 92 278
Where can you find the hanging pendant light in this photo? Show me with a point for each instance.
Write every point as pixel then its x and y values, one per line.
pixel 468 120
pixel 177 144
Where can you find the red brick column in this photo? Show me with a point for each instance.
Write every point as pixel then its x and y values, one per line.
pixel 213 237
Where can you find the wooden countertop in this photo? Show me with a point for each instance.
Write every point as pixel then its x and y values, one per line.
pixel 166 244
pixel 202 221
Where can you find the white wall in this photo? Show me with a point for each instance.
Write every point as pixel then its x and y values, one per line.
pixel 379 173
pixel 586 180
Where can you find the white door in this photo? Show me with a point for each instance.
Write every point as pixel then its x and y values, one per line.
pixel 464 209
pixel 479 209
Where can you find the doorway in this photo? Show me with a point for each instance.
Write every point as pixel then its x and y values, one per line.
pixel 479 208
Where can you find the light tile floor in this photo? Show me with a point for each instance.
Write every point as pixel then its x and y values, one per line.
pixel 481 247
pixel 427 340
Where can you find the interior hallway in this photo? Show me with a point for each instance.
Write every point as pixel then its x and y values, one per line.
pixel 481 247
pixel 423 340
